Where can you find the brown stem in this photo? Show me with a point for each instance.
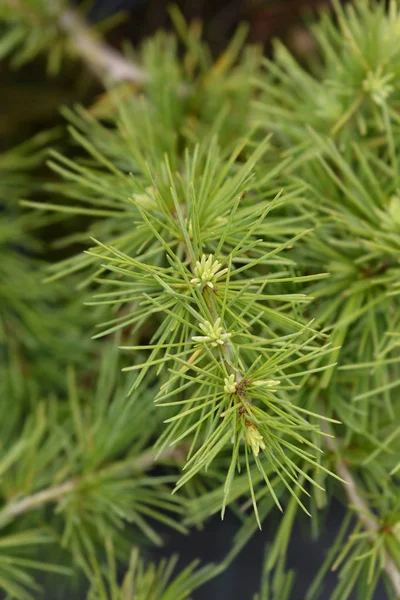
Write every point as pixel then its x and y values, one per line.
pixel 365 515
pixel 103 60
pixel 54 494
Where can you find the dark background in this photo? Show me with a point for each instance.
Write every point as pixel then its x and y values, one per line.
pixel 30 102
pixel 242 579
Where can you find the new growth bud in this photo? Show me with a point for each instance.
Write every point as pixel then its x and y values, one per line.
pixel 207 271
pixel 254 438
pixel 214 334
pixel 377 86
pixel 230 384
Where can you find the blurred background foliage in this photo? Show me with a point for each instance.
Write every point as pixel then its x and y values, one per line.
pixel 30 100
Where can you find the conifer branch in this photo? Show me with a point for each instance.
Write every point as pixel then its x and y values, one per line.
pixel 364 513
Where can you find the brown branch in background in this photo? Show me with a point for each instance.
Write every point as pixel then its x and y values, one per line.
pixel 276 20
pixel 105 62
pixel 35 501
pixel 54 494
pixel 102 59
pixel 364 513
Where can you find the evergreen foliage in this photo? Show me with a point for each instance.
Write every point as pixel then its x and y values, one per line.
pixel 238 231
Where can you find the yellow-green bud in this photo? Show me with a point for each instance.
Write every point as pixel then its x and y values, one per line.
pixel 396 530
pixel 230 384
pixel 254 439
pixel 214 334
pixel 377 86
pixel 207 271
